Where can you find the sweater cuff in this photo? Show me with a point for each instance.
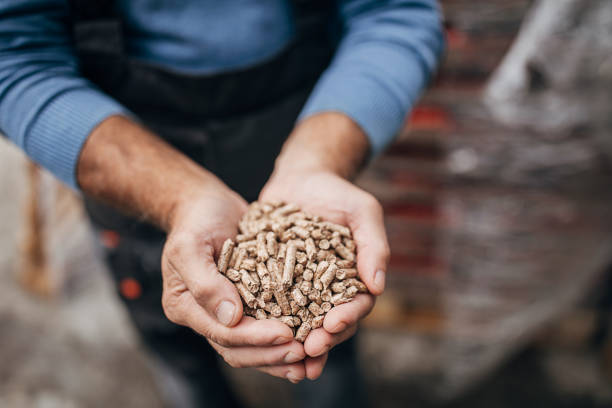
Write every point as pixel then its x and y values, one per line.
pixel 364 100
pixel 359 93
pixel 56 138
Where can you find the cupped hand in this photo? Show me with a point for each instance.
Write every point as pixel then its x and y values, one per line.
pixel 330 196
pixel 131 168
pixel 196 295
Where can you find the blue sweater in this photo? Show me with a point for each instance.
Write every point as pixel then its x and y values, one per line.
pixel 387 51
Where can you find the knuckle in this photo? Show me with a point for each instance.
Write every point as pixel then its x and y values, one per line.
pixel 177 243
pixel 273 358
pixel 225 355
pixel 204 331
pixel 232 360
pixel 171 311
pixel 222 340
pixel 171 251
pixel 200 291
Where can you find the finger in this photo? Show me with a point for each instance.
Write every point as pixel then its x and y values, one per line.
pixel 248 332
pixel 348 314
pixel 293 372
pixel 241 357
pixel 370 236
pixel 314 366
pixel 319 341
pixel 193 260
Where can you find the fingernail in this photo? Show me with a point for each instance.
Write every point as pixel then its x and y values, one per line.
pixel 281 340
pixel 379 280
pixel 293 378
pixel 225 312
pixel 291 357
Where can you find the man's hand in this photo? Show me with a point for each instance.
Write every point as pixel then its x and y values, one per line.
pixel 129 167
pixel 312 171
pixel 197 295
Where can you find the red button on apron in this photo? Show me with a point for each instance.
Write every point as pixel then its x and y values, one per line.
pixel 130 288
pixel 109 238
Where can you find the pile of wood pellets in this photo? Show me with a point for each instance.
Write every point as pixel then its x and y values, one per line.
pixel 291 266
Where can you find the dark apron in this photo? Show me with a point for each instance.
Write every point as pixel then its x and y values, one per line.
pixel 233 124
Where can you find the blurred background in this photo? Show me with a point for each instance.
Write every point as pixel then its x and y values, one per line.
pixel 499 292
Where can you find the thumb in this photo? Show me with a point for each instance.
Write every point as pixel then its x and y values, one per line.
pixel 368 227
pixel 193 260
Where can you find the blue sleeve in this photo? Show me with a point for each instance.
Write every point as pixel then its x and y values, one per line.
pixel 387 52
pixel 46 107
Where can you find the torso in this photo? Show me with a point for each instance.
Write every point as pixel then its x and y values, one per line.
pixel 206 36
